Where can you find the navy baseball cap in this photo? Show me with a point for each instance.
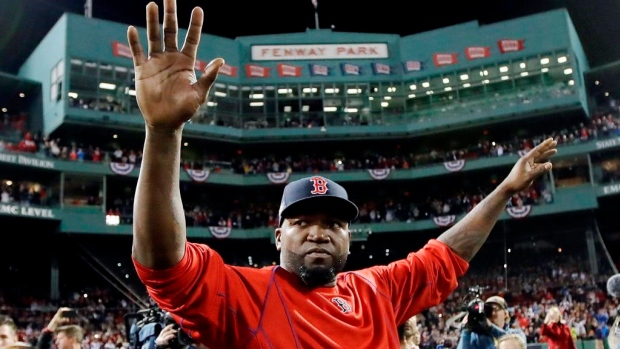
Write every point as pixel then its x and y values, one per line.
pixel 316 194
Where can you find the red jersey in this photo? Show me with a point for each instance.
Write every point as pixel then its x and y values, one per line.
pixel 558 336
pixel 226 307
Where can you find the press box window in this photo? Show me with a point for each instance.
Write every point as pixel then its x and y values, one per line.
pixel 57 75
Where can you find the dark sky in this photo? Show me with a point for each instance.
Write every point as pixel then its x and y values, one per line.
pixel 23 23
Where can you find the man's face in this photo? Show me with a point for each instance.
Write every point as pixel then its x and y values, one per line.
pixel 314 247
pixel 7 335
pixel 63 341
pixel 411 330
pixel 499 316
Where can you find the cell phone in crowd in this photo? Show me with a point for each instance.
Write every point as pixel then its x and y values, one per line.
pixel 69 314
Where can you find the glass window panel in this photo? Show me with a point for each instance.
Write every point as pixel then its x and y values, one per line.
pixel 106 72
pixel 77 66
pixel 90 68
pixel 122 74
pixel 83 190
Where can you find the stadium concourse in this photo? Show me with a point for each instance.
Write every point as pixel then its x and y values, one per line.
pixel 419 129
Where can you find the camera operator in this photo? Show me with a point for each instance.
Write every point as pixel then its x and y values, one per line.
pixel 487 334
pixel 168 335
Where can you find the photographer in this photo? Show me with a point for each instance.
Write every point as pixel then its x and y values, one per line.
pixel 67 336
pixel 168 336
pixel 485 335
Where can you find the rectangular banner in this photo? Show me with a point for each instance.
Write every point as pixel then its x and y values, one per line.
pixel 318 69
pixel 256 71
pixel 200 66
pixel 121 50
pixel 510 45
pixel 441 59
pixel 382 69
pixel 228 70
pixel 285 70
pixel 475 52
pixel 413 66
pixel 351 69
pixel 319 51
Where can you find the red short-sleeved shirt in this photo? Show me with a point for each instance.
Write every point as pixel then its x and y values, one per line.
pixel 229 307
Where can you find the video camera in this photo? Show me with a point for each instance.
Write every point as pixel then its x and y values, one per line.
pixel 143 327
pixel 477 311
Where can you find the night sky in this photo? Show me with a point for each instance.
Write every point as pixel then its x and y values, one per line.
pixel 23 23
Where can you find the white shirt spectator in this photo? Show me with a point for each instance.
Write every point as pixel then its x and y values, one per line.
pixel 5 198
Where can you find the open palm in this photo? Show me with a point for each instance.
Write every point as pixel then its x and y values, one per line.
pixel 530 166
pixel 167 89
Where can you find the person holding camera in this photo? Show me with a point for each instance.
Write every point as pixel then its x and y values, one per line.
pixel 168 335
pixel 67 336
pixel 486 335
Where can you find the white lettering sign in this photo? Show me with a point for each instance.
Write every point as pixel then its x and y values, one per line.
pixel 608 143
pixel 611 189
pixel 329 51
pixel 26 160
pixel 17 210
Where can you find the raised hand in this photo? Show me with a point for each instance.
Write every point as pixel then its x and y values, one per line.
pixel 59 319
pixel 167 89
pixel 530 166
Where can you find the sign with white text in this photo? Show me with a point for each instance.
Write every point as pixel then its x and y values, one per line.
pixel 608 143
pixel 611 189
pixel 26 160
pixel 27 211
pixel 318 51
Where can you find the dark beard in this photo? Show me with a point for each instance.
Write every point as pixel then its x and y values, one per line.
pixel 315 276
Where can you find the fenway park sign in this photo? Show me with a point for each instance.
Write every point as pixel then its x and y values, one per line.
pixel 319 51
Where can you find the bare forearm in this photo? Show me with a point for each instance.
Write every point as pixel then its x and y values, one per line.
pixel 467 236
pixel 159 218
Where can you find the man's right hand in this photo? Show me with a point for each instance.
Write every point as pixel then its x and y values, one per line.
pixel 58 320
pixel 167 89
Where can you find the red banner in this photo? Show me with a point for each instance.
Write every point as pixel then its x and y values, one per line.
pixel 200 65
pixel 507 45
pixel 228 70
pixel 256 71
pixel 288 70
pixel 474 52
pixel 441 59
pixel 121 50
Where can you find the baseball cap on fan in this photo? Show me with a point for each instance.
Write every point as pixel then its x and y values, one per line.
pixel 497 300
pixel 316 194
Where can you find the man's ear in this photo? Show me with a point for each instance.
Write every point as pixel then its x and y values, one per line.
pixel 278 234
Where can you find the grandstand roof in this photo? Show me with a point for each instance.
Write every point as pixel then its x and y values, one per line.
pixel 25 22
pixel 12 87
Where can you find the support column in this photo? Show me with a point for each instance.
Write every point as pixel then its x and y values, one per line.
pixel 591 252
pixel 54 277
